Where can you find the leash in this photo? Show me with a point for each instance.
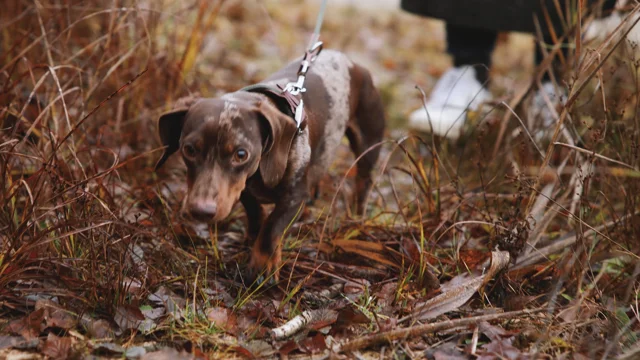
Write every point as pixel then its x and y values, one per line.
pixel 313 50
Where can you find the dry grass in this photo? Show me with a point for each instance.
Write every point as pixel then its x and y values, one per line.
pixel 94 258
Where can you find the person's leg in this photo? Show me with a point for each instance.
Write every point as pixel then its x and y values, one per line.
pixel 460 88
pixel 541 119
pixel 471 46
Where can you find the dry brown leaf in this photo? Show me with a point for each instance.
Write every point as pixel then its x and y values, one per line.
pixel 355 288
pixel 447 351
pixel 501 349
pixel 19 342
pixel 499 261
pixel 224 319
pixel 171 301
pixel 29 326
pixel 314 344
pixel 100 329
pixel 495 332
pixel 501 344
pixel 57 347
pixel 167 354
pixel 453 298
pixel 56 316
pixel 368 249
pixel 257 349
pixel 128 317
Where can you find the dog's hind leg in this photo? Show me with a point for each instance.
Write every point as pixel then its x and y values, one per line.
pixel 364 132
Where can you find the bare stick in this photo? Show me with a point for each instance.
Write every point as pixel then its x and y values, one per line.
pixel 389 336
pixel 301 321
pixel 579 149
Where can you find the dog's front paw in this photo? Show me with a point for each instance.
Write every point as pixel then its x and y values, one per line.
pixel 263 266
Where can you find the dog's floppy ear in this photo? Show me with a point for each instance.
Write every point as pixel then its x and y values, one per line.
pixel 281 130
pixel 170 127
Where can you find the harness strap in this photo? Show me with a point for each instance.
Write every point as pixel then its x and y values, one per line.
pixel 284 100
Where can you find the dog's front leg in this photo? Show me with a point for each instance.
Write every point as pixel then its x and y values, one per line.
pixel 267 249
pixel 255 216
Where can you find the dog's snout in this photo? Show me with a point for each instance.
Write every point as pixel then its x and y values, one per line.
pixel 203 210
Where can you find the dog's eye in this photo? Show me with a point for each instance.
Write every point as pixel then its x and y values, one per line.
pixel 189 151
pixel 240 156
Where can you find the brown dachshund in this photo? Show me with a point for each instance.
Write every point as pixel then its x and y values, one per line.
pixel 246 146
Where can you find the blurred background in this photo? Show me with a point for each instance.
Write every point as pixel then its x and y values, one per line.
pixel 85 223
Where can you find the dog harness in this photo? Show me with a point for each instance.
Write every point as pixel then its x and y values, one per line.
pixel 285 101
pixel 288 99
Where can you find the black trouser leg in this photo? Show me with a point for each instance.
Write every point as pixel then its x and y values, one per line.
pixel 471 46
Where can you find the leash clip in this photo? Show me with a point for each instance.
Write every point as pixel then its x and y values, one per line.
pixel 296 88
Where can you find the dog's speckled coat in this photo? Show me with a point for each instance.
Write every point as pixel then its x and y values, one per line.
pixel 242 147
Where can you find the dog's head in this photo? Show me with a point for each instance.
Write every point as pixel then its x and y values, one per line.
pixel 223 142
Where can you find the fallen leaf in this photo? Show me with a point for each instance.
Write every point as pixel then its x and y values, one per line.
pixel 167 354
pixel 146 326
pixel 135 352
pixel 313 344
pixel 57 347
pixel 258 349
pixel 388 324
pixel 355 288
pixel 10 341
pixel 288 347
pixel 446 351
pixel 386 295
pixel 471 258
pixel 349 316
pixel 501 349
pixel 171 301
pixel 495 332
pixel 153 313
pixel 132 286
pixel 100 329
pixel 224 319
pixel 128 317
pixel 29 326
pixel 370 250
pixel 56 316
pixel 453 297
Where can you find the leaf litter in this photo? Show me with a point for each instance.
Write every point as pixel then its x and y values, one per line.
pixel 95 260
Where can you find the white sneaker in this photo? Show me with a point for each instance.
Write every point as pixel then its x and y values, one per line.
pixel 456 92
pixel 599 29
pixel 541 119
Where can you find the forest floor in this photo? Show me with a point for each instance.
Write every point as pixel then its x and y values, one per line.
pixel 476 248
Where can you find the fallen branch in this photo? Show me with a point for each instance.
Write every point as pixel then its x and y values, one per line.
pixel 301 321
pixel 389 336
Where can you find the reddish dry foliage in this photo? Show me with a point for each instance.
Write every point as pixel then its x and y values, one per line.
pixel 92 247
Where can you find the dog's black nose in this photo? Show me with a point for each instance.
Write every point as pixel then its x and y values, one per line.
pixel 203 210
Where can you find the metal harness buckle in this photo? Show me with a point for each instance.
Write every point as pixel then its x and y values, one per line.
pixel 296 88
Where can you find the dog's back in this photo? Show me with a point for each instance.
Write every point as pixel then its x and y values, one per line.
pixel 340 99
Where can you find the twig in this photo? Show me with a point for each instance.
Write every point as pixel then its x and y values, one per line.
pixel 392 335
pixel 538 254
pixel 593 153
pixel 573 96
pixel 524 127
pixel 299 322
